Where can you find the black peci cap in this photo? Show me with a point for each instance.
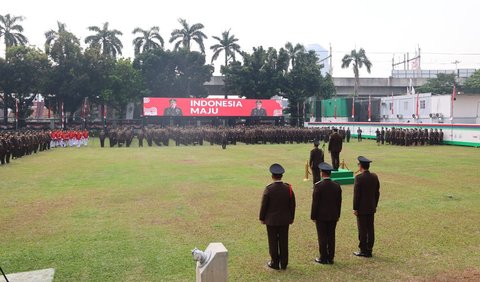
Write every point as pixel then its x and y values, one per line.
pixel 316 142
pixel 276 169
pixel 325 167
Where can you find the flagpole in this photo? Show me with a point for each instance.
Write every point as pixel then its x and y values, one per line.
pixel 369 108
pixel 16 113
pixel 454 93
pixel 353 108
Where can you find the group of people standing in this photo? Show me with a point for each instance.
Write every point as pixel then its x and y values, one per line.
pixel 69 138
pixel 187 136
pixel 277 210
pixel 16 144
pixel 278 205
pixel 409 136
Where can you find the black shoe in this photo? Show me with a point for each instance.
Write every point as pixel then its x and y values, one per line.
pixel 273 266
pixel 362 254
pixel 318 260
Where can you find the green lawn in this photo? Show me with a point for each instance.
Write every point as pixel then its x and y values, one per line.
pixel 134 214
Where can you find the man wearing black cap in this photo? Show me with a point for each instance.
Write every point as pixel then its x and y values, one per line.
pixel 366 193
pixel 173 110
pixel 258 111
pixel 335 147
pixel 277 212
pixel 316 157
pixel 326 207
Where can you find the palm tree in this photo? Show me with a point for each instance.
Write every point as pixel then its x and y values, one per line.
pixel 293 51
pixel 188 33
pixel 227 45
pixel 60 44
pixel 12 31
pixel 106 39
pixel 358 59
pixel 147 40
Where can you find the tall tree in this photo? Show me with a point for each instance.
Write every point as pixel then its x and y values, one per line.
pixel 124 86
pixel 61 44
pixel 294 51
pixel 107 39
pixel 68 79
pixel 23 75
pixel 147 40
pixel 11 31
pixel 357 60
pixel 226 44
pixel 260 77
pixel 188 33
pixel 173 73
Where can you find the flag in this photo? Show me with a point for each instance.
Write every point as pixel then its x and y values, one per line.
pixel 84 109
pixel 104 111
pixel 48 109
pixel 369 108
pixel 62 115
pixel 454 93
pixel 393 103
pixel 353 107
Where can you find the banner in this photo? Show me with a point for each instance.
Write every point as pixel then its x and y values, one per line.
pixel 201 107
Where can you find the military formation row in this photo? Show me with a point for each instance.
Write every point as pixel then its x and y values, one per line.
pixel 17 144
pixel 408 136
pixel 123 136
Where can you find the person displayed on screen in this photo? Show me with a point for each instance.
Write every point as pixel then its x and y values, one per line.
pixel 172 110
pixel 258 111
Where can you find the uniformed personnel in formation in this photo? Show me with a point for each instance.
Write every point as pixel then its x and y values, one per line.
pixel 325 212
pixel 223 136
pixel 413 137
pixel 17 144
pixel 277 212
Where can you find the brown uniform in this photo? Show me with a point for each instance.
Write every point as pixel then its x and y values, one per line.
pixel 278 212
pixel 316 157
pixel 366 193
pixel 335 147
pixel 326 207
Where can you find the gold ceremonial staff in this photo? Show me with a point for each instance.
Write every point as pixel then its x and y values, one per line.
pixel 307 172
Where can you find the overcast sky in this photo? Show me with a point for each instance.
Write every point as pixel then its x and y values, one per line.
pixel 446 31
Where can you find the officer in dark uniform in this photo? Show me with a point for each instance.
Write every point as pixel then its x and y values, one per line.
pixel 258 111
pixel 173 110
pixel 277 212
pixel 335 147
pixel 316 157
pixel 366 193
pixel 326 207
pixel 348 133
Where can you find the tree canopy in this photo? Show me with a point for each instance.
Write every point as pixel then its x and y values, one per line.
pixel 442 84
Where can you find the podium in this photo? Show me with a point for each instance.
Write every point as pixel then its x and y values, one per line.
pixel 343 176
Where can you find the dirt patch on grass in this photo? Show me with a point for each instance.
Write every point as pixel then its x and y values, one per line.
pixel 469 274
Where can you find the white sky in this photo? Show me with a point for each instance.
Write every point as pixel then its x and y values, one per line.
pixel 382 28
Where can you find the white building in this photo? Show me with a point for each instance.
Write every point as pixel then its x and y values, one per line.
pixel 431 108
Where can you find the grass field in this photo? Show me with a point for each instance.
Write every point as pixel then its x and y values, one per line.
pixel 134 214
